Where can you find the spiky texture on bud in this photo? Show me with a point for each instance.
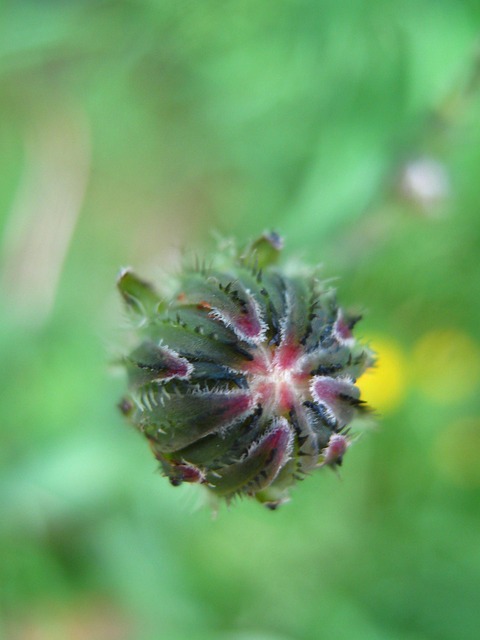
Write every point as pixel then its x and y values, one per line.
pixel 245 380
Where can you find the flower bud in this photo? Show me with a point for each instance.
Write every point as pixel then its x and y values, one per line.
pixel 244 382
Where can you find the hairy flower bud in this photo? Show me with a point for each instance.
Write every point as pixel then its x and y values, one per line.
pixel 245 381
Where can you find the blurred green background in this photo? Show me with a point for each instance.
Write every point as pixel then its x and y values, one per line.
pixel 130 130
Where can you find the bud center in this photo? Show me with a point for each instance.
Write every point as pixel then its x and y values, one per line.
pixel 276 379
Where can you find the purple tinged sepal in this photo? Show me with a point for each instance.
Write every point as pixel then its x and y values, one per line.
pixel 151 362
pixel 228 302
pixel 338 397
pixel 333 453
pixel 179 472
pixel 260 465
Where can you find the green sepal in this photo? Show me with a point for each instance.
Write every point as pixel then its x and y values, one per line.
pixel 175 421
pixel 219 449
pixel 140 296
pixel 189 343
pixel 264 251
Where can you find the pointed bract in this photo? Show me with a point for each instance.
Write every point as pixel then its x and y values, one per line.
pixel 140 296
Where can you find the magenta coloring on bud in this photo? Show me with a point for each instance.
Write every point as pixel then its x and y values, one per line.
pixel 246 322
pixel 336 449
pixel 185 473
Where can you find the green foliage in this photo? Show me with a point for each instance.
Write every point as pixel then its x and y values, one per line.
pixel 133 129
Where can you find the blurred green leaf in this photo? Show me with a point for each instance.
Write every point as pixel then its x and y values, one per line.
pixel 236 117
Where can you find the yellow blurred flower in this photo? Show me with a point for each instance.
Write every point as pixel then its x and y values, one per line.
pixel 446 365
pixel 457 450
pixel 383 387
